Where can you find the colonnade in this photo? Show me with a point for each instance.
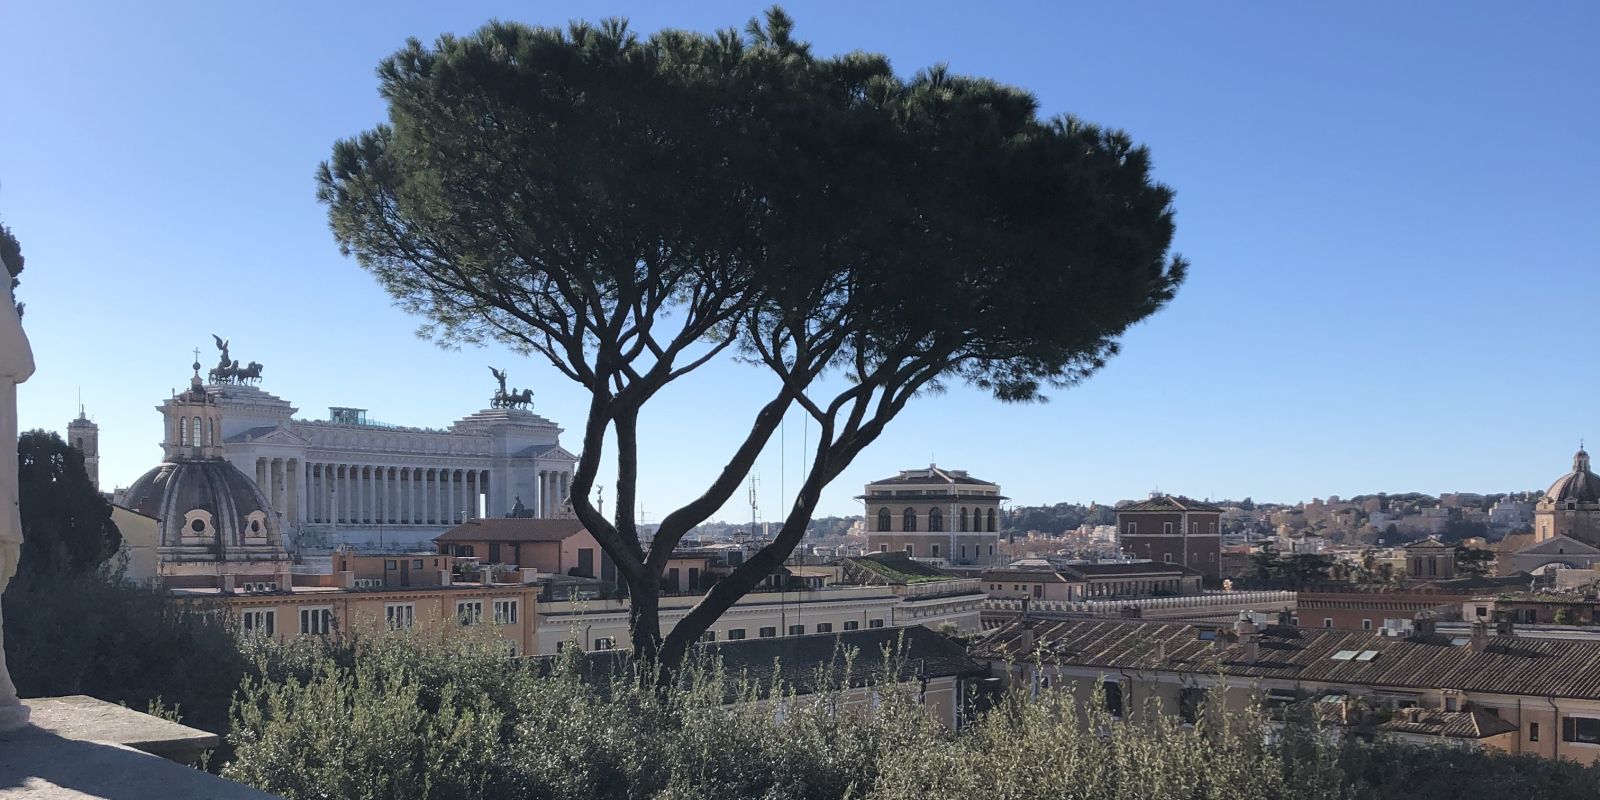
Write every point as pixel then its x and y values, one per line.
pixel 360 494
pixel 364 494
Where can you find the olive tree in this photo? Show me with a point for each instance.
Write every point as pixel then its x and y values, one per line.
pixel 632 208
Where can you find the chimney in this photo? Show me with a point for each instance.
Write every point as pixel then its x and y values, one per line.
pixel 1023 643
pixel 1422 625
pixel 1249 635
pixel 1285 617
pixel 1505 626
pixel 1161 650
pixel 1480 636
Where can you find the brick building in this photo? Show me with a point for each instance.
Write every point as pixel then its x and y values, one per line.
pixel 1173 530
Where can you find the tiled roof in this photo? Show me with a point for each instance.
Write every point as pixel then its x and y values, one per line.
pixel 1167 502
pixel 1514 543
pixel 1037 575
pixel 1085 571
pixel 1509 665
pixel 1471 724
pixel 512 530
pixel 934 475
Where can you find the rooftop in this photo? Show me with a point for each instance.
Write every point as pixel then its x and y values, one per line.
pixel 896 568
pixel 1507 665
pixel 512 530
pixel 1167 502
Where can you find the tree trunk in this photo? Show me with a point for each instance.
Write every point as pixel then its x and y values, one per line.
pixel 644 627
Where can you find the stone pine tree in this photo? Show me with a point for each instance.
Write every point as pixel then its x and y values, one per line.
pixel 66 523
pixel 631 208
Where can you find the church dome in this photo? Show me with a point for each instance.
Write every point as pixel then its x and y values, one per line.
pixel 1578 486
pixel 208 509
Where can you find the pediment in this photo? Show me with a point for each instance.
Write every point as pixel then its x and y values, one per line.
pixel 282 436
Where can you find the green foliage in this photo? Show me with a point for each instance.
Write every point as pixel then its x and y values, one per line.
pixel 10 252
pixel 399 715
pixel 66 523
pixel 630 207
pixel 1473 561
pixel 89 634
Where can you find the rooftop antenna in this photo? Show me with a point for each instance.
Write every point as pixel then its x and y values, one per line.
pixel 755 480
pixel 600 503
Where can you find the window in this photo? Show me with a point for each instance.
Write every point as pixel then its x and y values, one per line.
pixel 391 564
pixel 1113 692
pixel 1191 701
pixel 1327 622
pixel 797 630
pixel 316 621
pixel 935 520
pixel 908 520
pixel 875 623
pixel 735 634
pixel 416 564
pixel 911 550
pixel 883 548
pixel 1166 527
pixel 991 549
pixel 605 643
pixel 883 520
pixel 1211 528
pixel 1167 557
pixel 933 550
pixel 400 616
pixel 824 627
pixel 1366 624
pixel 1450 703
pixel 962 519
pixel 991 520
pixel 963 552
pixel 263 621
pixel 1533 731
pixel 852 625
pixel 1584 730
pixel 708 636
pixel 768 632
pixel 505 612
pixel 469 612
pixel 1133 528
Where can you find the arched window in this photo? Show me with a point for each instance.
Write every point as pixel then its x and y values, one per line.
pixel 183 431
pixel 211 431
pixel 935 520
pixel 991 520
pixel 194 434
pixel 883 520
pixel 963 519
pixel 909 520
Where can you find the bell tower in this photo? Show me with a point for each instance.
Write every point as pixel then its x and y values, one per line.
pixel 193 422
pixel 83 434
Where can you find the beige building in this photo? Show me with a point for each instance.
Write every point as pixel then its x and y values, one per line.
pixel 1571 506
pixel 602 624
pixel 1516 694
pixel 942 515
pixel 509 609
pixel 139 554
pixel 1106 581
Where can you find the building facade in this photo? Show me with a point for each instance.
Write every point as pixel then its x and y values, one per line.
pixel 1516 694
pixel 1571 506
pixel 350 481
pixel 1173 530
pixel 942 515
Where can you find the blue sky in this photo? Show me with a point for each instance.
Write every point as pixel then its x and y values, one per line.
pixel 1390 209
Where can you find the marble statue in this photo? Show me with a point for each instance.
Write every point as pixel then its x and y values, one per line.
pixel 16 365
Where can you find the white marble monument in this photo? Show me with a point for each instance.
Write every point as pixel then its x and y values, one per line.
pixel 16 365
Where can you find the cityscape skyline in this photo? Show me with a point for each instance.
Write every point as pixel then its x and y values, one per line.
pixel 1363 314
